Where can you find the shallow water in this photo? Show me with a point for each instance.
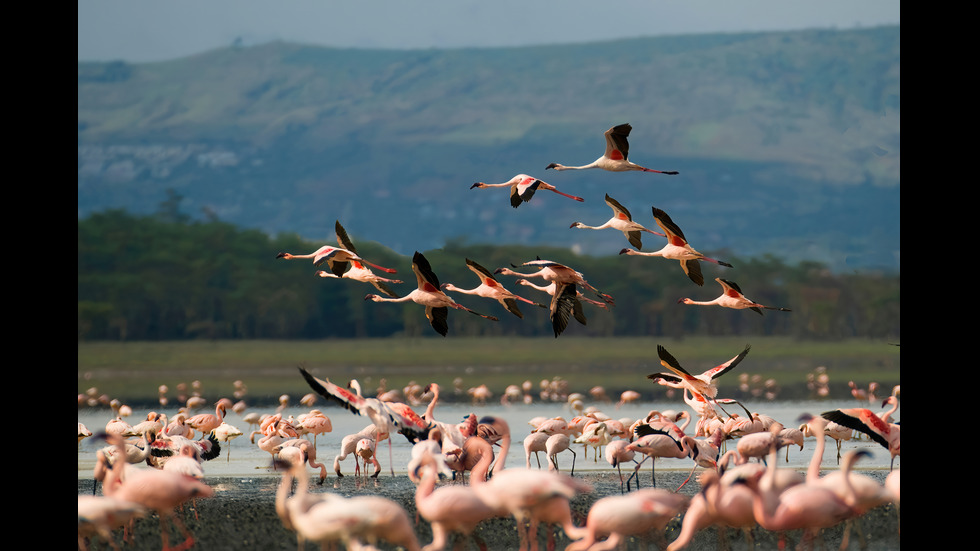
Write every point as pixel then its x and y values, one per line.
pixel 241 458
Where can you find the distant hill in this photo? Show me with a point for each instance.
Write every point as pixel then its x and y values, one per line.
pixel 787 143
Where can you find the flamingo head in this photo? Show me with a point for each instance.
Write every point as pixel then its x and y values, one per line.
pixel 625 251
pixel 282 255
pixel 552 165
pixel 575 224
pixel 478 184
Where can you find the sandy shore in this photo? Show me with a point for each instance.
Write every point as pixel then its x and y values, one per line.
pixel 242 515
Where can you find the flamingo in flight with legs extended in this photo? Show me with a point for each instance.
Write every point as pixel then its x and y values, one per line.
pixel 337 258
pixel 677 248
pixel 437 303
pixel 703 384
pixel 554 272
pixel 622 220
pixel 732 297
pixel 491 288
pixel 616 156
pixel 522 188
pixel 358 270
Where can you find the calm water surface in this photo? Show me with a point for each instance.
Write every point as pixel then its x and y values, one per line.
pixel 241 458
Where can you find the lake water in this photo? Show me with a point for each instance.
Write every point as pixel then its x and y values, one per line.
pixel 240 458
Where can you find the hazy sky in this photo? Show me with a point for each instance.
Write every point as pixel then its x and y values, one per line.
pixel 139 31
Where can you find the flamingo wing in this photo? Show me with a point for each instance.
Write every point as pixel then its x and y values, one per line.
pixel 423 272
pixel 481 272
pixel 673 231
pixel 720 370
pixel 342 239
pixel 438 317
pixel 692 268
pixel 511 305
pixel 617 144
pixel 862 420
pixel 671 363
pixel 667 377
pixel 619 210
pixel 563 304
pixel 333 392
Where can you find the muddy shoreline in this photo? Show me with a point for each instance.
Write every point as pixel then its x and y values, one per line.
pixel 242 515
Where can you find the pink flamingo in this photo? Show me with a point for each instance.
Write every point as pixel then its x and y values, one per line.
pixel 358 270
pixel 491 288
pixel 449 509
pixel 157 490
pixel 732 297
pixel 309 451
pixel 535 443
pixel 316 422
pixel 496 431
pixel 102 515
pixel 639 513
pixel 864 420
pixel 616 156
pixel 555 444
pixel 522 188
pixel 677 248
pixel 622 220
pixel 616 453
pixel 206 422
pixel 659 443
pixel 554 272
pixel 428 294
pixel 703 384
pixel 337 258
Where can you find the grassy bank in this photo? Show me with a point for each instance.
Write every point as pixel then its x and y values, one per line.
pixel 134 370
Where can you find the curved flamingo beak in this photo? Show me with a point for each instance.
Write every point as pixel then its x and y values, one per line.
pixel 478 184
pixel 624 251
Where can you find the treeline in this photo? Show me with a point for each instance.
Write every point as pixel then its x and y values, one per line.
pixel 166 277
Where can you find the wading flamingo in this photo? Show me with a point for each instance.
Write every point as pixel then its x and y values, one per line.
pixel 491 288
pixel 522 188
pixel 732 297
pixel 622 220
pixel 677 248
pixel 616 156
pixel 428 294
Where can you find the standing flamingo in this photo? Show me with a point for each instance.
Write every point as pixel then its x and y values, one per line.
pixel 227 433
pixel 677 248
pixel 732 297
pixel 555 444
pixel 359 270
pixel 616 453
pixel 437 303
pixel 659 443
pixel 206 422
pixel 616 156
pixel 102 515
pixel 622 220
pixel 348 445
pixel 522 188
pixel 640 513
pixel 491 288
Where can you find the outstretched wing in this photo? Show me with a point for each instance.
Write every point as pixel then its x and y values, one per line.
pixel 333 392
pixel 423 272
pixel 720 370
pixel 693 270
pixel 672 230
pixel 438 317
pixel 342 239
pixel 562 306
pixel 670 362
pixel 617 145
pixel 860 423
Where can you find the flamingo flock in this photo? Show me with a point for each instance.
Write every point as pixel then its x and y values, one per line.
pixel 458 466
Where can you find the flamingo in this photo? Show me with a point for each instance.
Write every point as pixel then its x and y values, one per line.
pixel 308 454
pixel 535 443
pixel 387 416
pixel 640 513
pixel 864 420
pixel 437 303
pixel 677 248
pixel 227 433
pixel 622 220
pixel 83 432
pixel 732 297
pixel 616 156
pixel 616 453
pixel 886 415
pixel 496 430
pixel 554 272
pixel 555 444
pixel 359 270
pixel 348 445
pixel 491 288
pixel 158 490
pixel 551 289
pixel 316 423
pixel 565 301
pixel 659 443
pixel 595 434
pixel 102 515
pixel 206 422
pixel 522 188
pixel 700 385
pixel 448 509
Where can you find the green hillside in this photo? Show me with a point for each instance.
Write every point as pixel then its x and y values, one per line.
pixel 787 143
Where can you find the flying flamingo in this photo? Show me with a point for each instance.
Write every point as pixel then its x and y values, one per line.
pixel 703 384
pixel 732 297
pixel 358 270
pixel 491 288
pixel 337 259
pixel 437 303
pixel 677 248
pixel 615 158
pixel 551 289
pixel 639 513
pixel 622 220
pixel 864 420
pixel 565 302
pixel 556 273
pixel 389 417
pixel 522 188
